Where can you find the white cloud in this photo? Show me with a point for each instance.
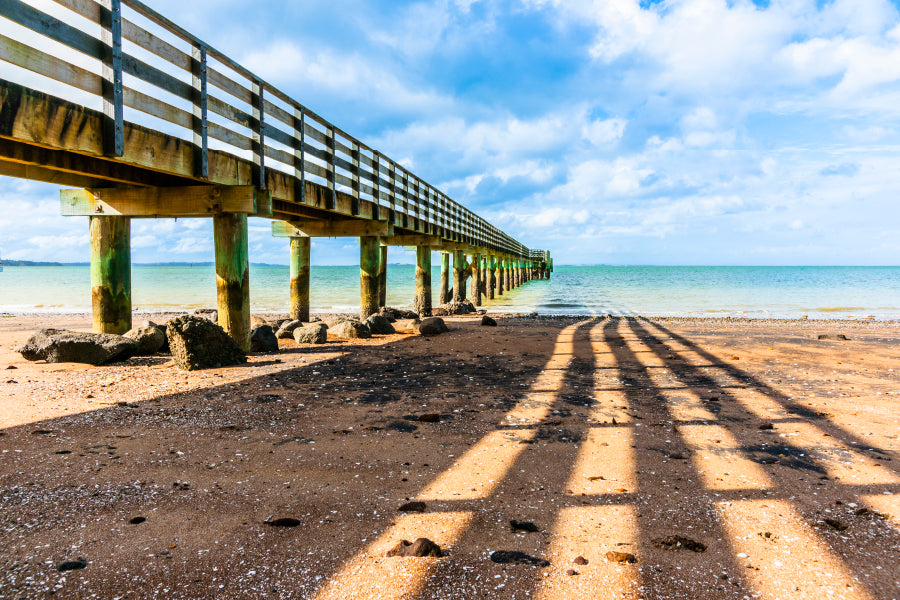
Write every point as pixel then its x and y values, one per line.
pixel 351 75
pixel 602 132
pixel 742 52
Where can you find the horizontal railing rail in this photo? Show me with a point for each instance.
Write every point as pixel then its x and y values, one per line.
pixel 215 103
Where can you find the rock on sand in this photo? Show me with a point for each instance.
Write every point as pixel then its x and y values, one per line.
pixel 198 343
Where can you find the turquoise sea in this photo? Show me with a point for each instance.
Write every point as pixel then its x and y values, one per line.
pixel 760 292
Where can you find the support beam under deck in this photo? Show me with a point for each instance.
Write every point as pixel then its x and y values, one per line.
pixel 111 274
pixel 422 303
pixel 300 255
pixel 233 276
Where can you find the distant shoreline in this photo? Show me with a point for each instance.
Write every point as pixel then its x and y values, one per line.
pixel 30 263
pixel 532 317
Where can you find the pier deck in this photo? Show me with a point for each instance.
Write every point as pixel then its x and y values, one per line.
pixel 185 131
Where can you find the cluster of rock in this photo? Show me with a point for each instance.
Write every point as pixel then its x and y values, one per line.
pixel 454 308
pixel 197 342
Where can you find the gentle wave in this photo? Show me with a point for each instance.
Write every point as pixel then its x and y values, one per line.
pixel 753 292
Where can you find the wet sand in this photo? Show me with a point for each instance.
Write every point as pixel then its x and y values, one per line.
pixel 776 452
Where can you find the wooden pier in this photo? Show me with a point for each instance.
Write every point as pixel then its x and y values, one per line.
pixel 234 147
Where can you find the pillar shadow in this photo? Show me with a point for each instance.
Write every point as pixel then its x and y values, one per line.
pixel 799 472
pixel 208 468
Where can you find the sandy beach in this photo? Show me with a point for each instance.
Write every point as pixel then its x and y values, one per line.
pixel 725 458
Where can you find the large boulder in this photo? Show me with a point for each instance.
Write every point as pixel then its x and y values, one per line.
pixel 380 325
pixel 488 322
pixel 150 339
pixel 350 330
pixel 432 326
pixel 459 308
pixel 262 339
pixel 198 343
pixel 315 333
pixel 60 345
pixel 286 330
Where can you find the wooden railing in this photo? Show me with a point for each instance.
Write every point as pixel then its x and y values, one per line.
pixel 150 66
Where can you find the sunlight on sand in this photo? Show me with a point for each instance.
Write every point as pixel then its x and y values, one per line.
pixel 576 533
pixel 780 564
pixel 718 459
pixel 475 475
pixel 397 577
pixel 888 506
pixel 542 393
pixel 605 463
pixel 839 460
pixel 612 404
pixel 480 470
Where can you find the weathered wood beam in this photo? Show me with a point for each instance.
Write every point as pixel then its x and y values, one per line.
pixel 369 259
pixel 331 228
pixel 422 302
pixel 491 277
pixel 190 201
pixel 501 275
pixel 69 168
pixel 233 276
pixel 37 173
pixel 460 274
pixel 300 254
pixel 475 286
pixel 382 275
pixel 411 240
pixel 111 274
pixel 445 278
pixel 453 247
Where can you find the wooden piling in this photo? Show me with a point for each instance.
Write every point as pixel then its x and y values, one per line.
pixel 382 277
pixel 300 253
pixel 422 302
pixel 233 276
pixel 111 274
pixel 369 267
pixel 509 272
pixel 445 278
pixel 501 276
pixel 460 266
pixel 483 263
pixel 491 277
pixel 475 287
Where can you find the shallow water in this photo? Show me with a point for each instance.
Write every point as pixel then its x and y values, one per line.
pixel 760 292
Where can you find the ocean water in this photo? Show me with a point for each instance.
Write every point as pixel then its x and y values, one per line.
pixel 758 292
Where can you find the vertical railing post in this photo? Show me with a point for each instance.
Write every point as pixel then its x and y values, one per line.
pixel 200 120
pixel 299 156
pixel 332 175
pixel 376 180
pixel 392 187
pixel 405 201
pixel 112 87
pixel 354 177
pixel 259 135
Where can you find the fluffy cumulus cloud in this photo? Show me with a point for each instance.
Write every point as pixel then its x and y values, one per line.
pixel 609 131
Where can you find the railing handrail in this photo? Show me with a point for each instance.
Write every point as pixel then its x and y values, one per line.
pixel 314 146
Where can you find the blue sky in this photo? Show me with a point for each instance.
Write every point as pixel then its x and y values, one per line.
pixel 608 131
